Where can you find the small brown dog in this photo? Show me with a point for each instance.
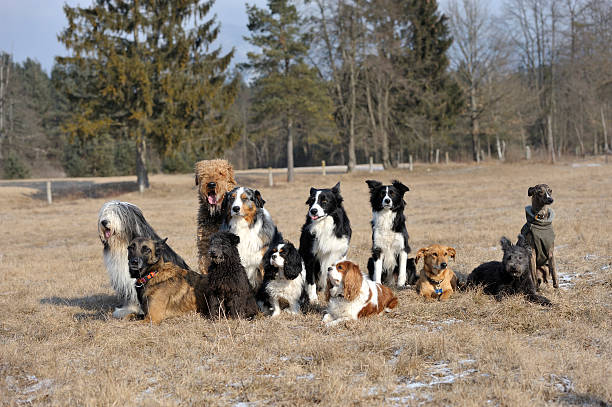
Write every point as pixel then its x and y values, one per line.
pixel 164 289
pixel 436 281
pixel 213 178
pixel 539 234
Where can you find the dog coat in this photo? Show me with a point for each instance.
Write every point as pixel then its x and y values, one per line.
pixel 539 234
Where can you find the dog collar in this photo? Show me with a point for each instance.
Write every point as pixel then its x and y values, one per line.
pixel 437 289
pixel 144 280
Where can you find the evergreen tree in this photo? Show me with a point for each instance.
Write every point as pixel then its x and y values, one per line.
pixel 146 73
pixel 286 88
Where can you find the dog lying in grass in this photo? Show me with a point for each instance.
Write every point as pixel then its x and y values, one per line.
pixel 510 276
pixel 164 289
pixel 436 281
pixel 353 295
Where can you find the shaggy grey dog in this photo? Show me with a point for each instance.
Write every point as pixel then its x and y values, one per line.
pixel 510 276
pixel 118 224
pixel 228 293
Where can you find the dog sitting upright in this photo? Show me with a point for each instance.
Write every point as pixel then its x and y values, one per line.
pixel 389 235
pixel 325 237
pixel 246 217
pixel 284 277
pixel 228 293
pixel 213 178
pixel 436 281
pixel 539 234
pixel 510 276
pixel 164 289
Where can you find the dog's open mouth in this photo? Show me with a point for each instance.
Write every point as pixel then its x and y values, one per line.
pixel 212 198
pixel 107 232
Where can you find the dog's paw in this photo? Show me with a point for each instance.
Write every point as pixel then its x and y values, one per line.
pixel 128 312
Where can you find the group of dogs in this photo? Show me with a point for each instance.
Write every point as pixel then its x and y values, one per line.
pixel 246 266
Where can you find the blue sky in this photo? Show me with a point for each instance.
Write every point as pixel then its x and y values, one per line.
pixel 29 28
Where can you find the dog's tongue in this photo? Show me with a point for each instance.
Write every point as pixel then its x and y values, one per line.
pixel 107 233
pixel 212 199
pixel 314 217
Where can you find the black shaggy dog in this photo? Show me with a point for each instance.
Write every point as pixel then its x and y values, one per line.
pixel 389 235
pixel 510 276
pixel 228 293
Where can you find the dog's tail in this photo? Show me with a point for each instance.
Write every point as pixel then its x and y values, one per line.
pixel 411 272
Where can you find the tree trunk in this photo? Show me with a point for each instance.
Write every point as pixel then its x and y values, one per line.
pixel 290 175
pixel 605 131
pixel 352 158
pixel 474 124
pixel 551 146
pixel 141 165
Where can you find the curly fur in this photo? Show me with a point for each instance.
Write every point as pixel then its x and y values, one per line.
pixel 210 217
pixel 510 276
pixel 118 224
pixel 228 293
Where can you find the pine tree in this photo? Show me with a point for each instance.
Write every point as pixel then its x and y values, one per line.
pixel 150 76
pixel 285 87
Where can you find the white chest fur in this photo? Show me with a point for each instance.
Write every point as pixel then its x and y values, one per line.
pixel 250 246
pixel 390 243
pixel 327 248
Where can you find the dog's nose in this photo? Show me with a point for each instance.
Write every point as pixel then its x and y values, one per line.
pixel 314 211
pixel 236 209
pixel 211 184
pixel 104 223
pixel 330 268
pixel 443 265
pixel 386 201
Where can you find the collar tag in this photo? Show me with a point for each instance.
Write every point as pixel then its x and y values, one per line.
pixel 438 291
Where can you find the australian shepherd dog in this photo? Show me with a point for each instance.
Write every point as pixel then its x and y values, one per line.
pixel 118 224
pixel 246 217
pixel 325 237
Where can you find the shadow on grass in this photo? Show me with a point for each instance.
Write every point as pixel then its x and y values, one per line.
pixel 66 190
pixel 101 304
pixel 574 399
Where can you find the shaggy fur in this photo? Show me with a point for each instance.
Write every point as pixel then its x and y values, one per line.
pixel 542 258
pixel 353 295
pixel 164 289
pixel 228 294
pixel 246 217
pixel 389 235
pixel 214 178
pixel 284 278
pixel 436 281
pixel 510 276
pixel 118 224
pixel 325 237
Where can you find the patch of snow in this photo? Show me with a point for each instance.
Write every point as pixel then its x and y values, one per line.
pixel 308 376
pixel 605 267
pixel 590 256
pixel 578 165
pixel 562 383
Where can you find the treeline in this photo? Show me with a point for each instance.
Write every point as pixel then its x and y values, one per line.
pixel 335 80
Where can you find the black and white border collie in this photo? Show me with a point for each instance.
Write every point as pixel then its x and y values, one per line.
pixel 389 235
pixel 325 237
pixel 246 217
pixel 284 278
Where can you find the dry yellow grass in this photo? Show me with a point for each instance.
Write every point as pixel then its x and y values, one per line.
pixel 60 346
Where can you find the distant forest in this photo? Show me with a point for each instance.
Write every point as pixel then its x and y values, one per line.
pixel 145 90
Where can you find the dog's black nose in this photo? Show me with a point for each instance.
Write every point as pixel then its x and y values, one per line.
pixel 443 265
pixel 314 211
pixel 104 223
pixel 330 268
pixel 211 184
pixel 386 201
pixel 236 209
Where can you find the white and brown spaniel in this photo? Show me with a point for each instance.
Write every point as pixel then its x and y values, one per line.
pixel 353 295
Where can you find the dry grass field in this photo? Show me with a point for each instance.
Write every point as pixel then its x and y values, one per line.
pixel 59 344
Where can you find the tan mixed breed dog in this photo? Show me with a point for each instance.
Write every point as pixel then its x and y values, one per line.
pixel 436 281
pixel 213 178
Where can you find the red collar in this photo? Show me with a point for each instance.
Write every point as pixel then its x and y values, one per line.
pixel 144 280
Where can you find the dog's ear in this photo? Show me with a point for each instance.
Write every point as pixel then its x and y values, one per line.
pixel 505 243
pixel 451 252
pixel 336 188
pixel 160 246
pixel 373 184
pixel 196 180
pixel 259 202
pixel 352 282
pixel 234 239
pixel 400 187
pixel 313 191
pixel 293 261
pixel 531 191
pixel 521 241
pixel 420 254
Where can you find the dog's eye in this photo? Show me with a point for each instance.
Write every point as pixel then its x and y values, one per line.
pixel 145 249
pixel 434 254
pixel 339 267
pixel 446 254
